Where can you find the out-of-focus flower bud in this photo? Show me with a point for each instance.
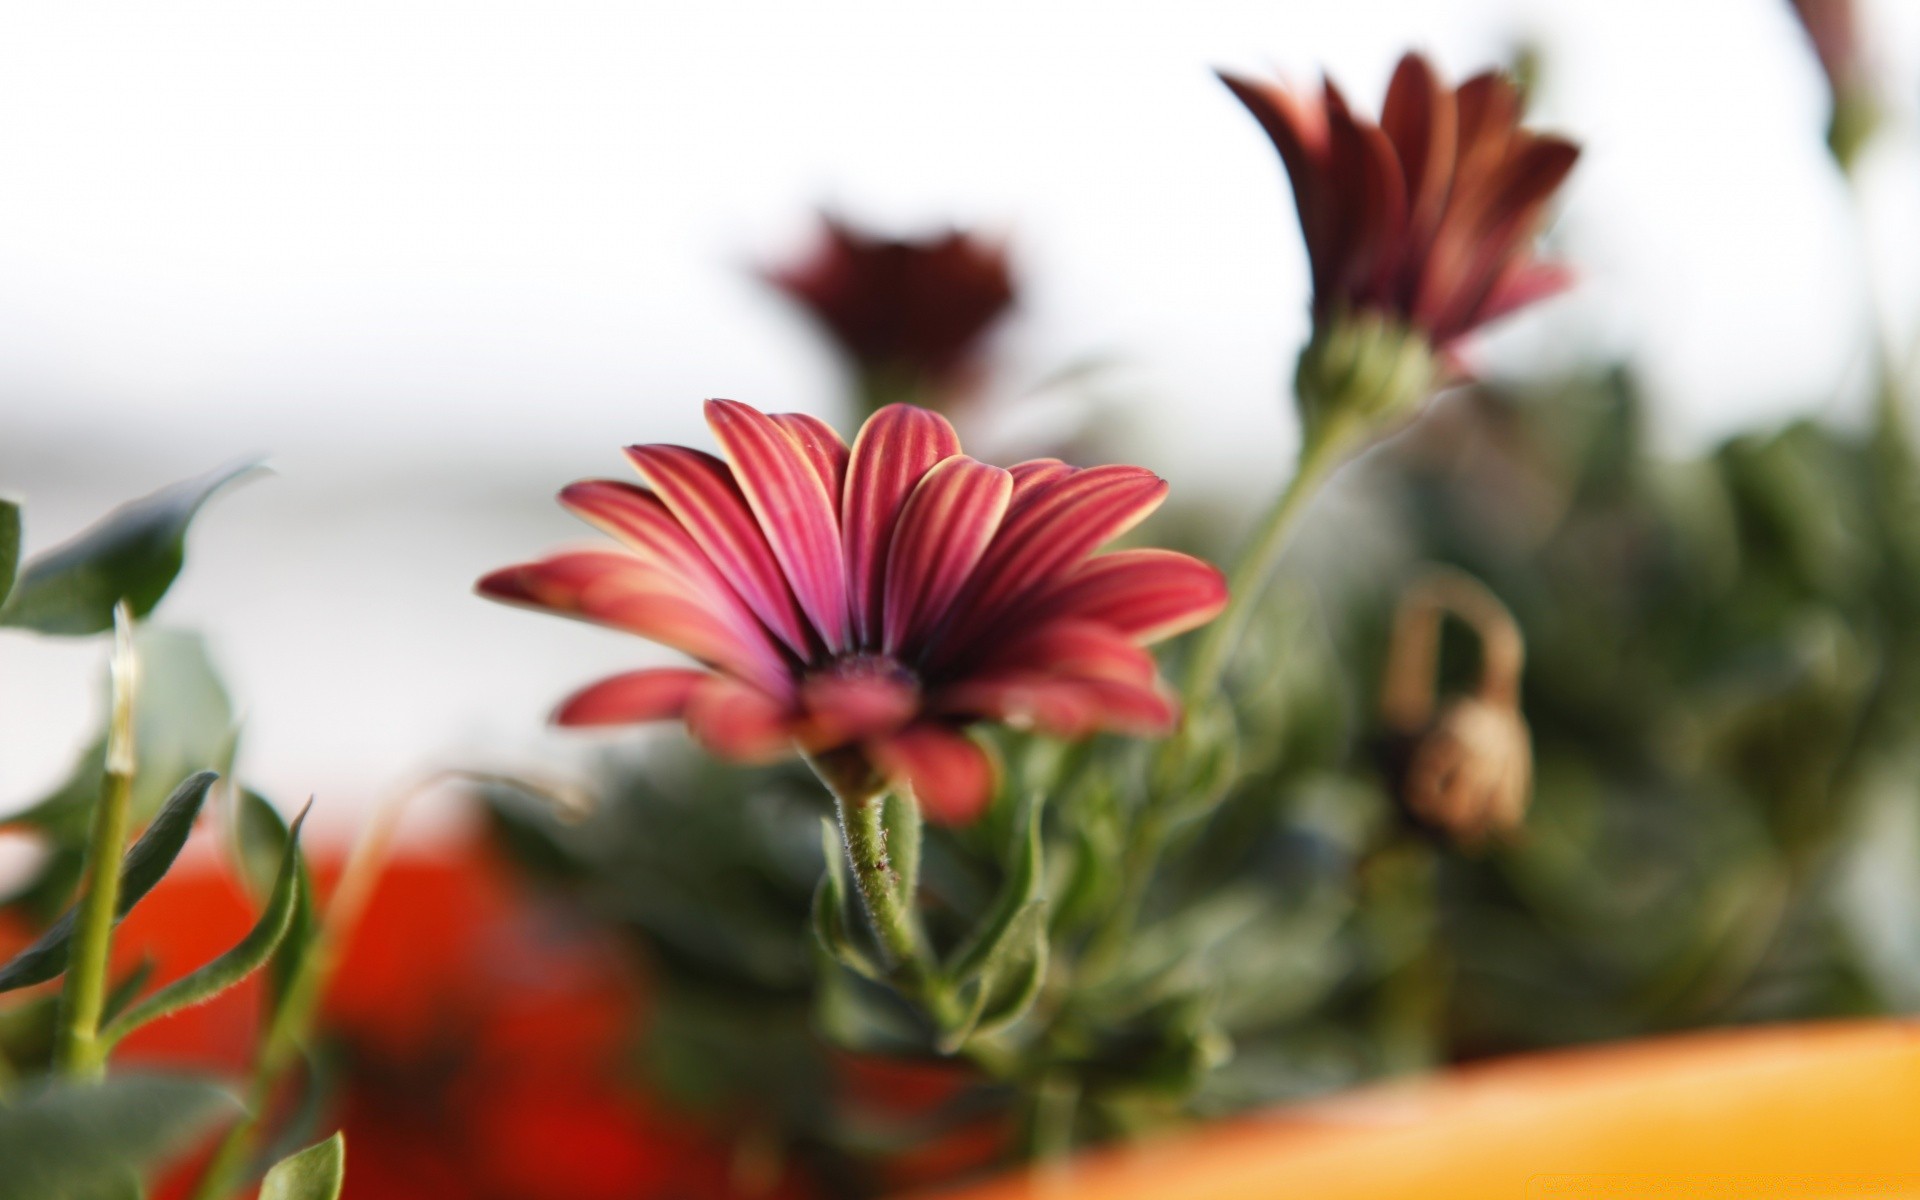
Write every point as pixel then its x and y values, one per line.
pixel 1833 27
pixel 1419 228
pixel 1465 770
pixel 910 315
pixel 1364 369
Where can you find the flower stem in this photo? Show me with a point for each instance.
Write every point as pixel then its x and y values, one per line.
pixel 1325 450
pixel 860 804
pixel 80 1052
pixel 889 914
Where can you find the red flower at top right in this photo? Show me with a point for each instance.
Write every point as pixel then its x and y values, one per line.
pixel 1428 217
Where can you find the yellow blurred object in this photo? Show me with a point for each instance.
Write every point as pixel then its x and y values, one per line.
pixel 1828 1110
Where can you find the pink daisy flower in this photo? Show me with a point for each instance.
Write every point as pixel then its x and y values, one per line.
pixel 874 601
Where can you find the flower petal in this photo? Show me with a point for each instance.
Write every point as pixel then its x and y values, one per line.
pixel 1420 119
pixel 701 493
pixel 951 776
pixel 1146 595
pixel 846 708
pixel 789 498
pixel 614 588
pixel 631 698
pixel 1080 649
pixel 943 529
pixel 738 721
pixel 894 449
pixel 822 446
pixel 1060 707
pixel 643 523
pixel 1050 531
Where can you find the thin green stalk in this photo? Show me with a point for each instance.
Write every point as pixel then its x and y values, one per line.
pixel 1318 458
pixel 859 802
pixel 1325 450
pixel 80 1053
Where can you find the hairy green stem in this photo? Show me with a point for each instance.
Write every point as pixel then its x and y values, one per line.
pixel 889 913
pixel 80 1053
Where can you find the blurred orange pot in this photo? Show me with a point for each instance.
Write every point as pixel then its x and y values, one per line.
pixel 1830 1110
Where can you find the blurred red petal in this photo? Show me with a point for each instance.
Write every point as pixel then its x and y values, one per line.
pixel 737 721
pixel 951 776
pixel 1080 649
pixel 1145 594
pixel 631 698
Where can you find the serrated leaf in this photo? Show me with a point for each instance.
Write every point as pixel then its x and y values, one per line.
pixel 9 546
pixel 132 554
pixel 830 910
pixel 246 957
pixel 1021 889
pixel 315 1173
pixel 182 721
pixel 94 1141
pixel 143 866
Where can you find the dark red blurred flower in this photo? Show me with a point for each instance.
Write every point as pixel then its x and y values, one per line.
pixel 1833 26
pixel 481 1041
pixel 909 314
pixel 876 600
pixel 1834 30
pixel 1428 217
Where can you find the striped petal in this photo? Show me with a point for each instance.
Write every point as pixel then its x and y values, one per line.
pixel 701 493
pixel 789 498
pixel 1061 707
pixel 644 525
pixel 1077 649
pixel 950 775
pixel 1029 476
pixel 1146 595
pixel 738 721
pixel 894 449
pixel 610 587
pixel 631 698
pixel 943 529
pixel 822 446
pixel 1052 530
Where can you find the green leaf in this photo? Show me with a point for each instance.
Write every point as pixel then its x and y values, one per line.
pixel 262 834
pixel 830 910
pixel 247 956
pixel 95 1141
pixel 143 867
pixel 1008 981
pixel 182 721
pixel 9 545
pixel 315 1173
pixel 1021 889
pixel 134 553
